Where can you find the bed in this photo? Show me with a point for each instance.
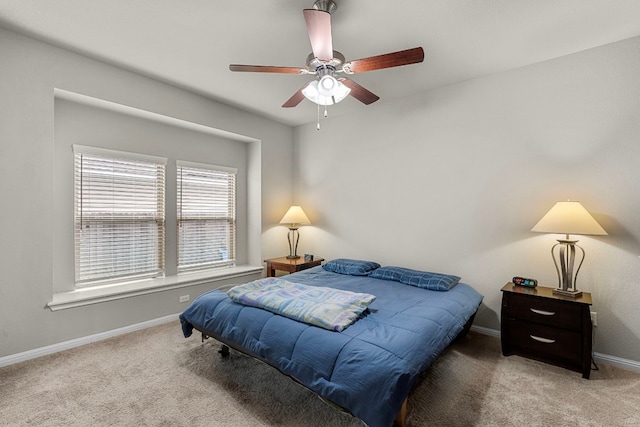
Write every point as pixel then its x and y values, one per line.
pixel 369 367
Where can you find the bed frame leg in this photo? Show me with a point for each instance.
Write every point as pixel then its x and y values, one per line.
pixel 402 415
pixel 224 352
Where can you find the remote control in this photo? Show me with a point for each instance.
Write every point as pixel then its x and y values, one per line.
pixel 523 281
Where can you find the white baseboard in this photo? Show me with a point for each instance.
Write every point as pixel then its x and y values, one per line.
pixel 485 331
pixel 54 348
pixel 619 362
pixel 632 365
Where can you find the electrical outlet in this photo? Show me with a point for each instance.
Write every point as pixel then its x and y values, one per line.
pixel 184 298
pixel 594 318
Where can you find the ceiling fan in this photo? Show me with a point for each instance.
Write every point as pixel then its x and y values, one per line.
pixel 328 65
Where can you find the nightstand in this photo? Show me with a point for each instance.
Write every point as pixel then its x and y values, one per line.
pixel 289 265
pixel 550 328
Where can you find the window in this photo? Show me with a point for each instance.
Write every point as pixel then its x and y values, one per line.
pixel 119 215
pixel 206 216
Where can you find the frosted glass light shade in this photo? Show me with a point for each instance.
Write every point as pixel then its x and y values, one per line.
pixel 327 86
pixel 295 215
pixel 327 91
pixel 569 218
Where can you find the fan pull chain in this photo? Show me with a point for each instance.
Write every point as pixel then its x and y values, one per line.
pixel 326 114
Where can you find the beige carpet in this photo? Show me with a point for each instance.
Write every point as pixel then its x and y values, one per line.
pixel 157 378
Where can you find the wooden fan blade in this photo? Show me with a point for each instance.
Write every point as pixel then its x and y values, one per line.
pixel 296 98
pixel 359 92
pixel 267 69
pixel 388 60
pixel 319 29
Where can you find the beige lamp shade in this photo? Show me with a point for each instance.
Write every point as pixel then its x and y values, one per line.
pixel 569 218
pixel 295 215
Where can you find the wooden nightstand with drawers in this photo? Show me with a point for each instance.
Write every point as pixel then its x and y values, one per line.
pixel 555 329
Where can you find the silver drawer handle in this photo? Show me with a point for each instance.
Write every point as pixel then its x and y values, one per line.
pixel 544 340
pixel 544 313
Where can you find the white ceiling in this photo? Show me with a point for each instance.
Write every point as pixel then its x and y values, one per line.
pixel 191 43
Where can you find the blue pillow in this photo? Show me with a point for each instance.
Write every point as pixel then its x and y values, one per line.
pixel 421 279
pixel 353 267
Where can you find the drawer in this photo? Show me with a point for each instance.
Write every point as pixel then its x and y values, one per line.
pixel 545 342
pixel 556 313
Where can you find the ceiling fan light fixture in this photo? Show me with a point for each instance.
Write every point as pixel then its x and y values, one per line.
pixel 326 91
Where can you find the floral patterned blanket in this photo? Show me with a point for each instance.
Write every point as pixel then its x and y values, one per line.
pixel 328 308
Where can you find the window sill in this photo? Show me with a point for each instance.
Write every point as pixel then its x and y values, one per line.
pixel 98 294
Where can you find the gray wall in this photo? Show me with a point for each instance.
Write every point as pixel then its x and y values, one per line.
pixel 453 180
pixel 29 185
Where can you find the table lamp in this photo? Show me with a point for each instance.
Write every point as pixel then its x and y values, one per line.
pixel 567 218
pixel 294 217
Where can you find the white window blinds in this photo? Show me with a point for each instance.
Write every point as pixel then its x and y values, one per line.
pixel 206 216
pixel 119 215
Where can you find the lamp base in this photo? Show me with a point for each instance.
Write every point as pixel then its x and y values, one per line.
pixel 573 294
pixel 293 256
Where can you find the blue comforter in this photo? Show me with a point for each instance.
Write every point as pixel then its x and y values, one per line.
pixel 370 367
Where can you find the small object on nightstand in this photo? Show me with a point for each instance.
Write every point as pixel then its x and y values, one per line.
pixel 308 257
pixel 523 281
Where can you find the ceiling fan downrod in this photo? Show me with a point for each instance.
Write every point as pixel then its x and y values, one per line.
pixel 325 5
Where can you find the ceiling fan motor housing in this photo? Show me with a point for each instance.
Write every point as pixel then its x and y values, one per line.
pixel 314 65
